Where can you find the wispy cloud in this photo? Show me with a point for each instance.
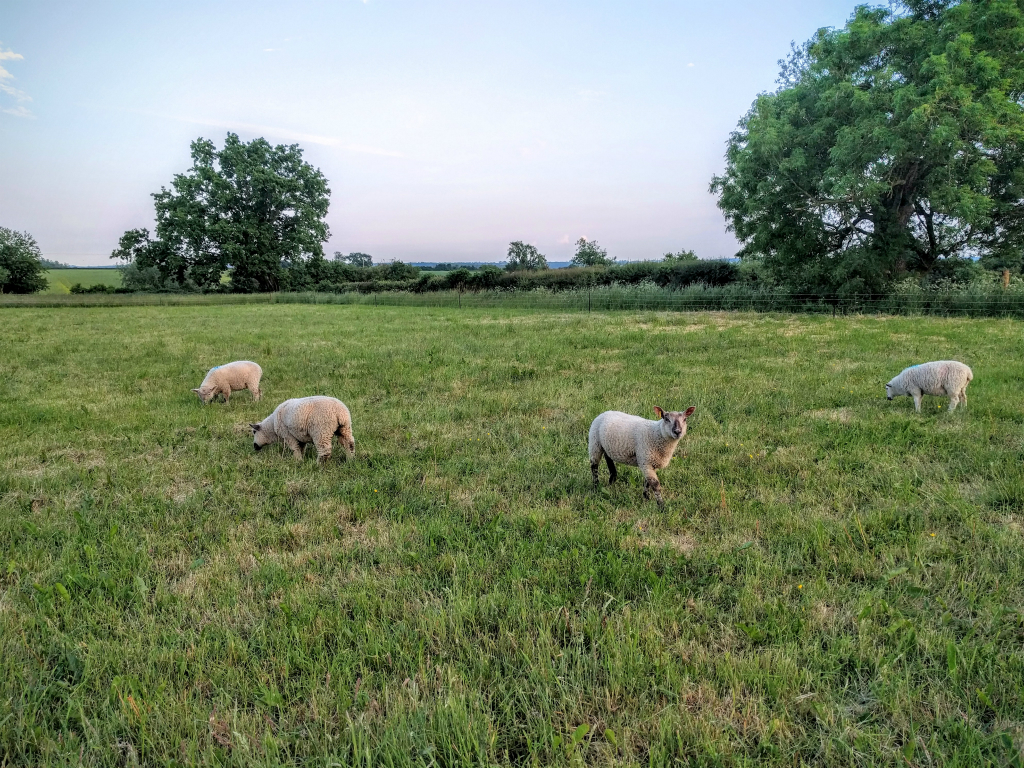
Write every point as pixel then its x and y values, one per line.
pixel 9 90
pixel 18 111
pixel 287 135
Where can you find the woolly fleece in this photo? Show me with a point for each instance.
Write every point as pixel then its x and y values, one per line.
pixel 225 379
pixel 305 420
pixel 638 442
pixel 943 378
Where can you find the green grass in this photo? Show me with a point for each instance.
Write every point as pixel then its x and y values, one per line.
pixel 61 280
pixel 835 581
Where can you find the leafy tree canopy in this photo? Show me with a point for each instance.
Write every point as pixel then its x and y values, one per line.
pixel 590 254
pixel 21 268
pixel 681 256
pixel 355 259
pixel 256 208
pixel 523 257
pixel 891 144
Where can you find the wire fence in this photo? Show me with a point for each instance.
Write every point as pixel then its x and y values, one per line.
pixel 133 299
pixel 967 303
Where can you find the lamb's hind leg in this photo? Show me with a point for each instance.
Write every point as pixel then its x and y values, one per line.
pixel 346 441
pixel 254 389
pixel 611 469
pixel 596 452
pixel 323 450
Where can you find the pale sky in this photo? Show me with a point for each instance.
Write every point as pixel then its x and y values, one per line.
pixel 445 129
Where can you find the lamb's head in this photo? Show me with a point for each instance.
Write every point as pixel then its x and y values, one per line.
pixel 261 436
pixel 892 389
pixel 205 394
pixel 673 423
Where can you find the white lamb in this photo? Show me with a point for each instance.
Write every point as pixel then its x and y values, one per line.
pixel 304 420
pixel 647 445
pixel 224 379
pixel 944 378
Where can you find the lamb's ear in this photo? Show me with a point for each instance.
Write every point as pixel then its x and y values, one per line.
pixel 255 427
pixel 658 412
pixel 196 391
pixel 689 411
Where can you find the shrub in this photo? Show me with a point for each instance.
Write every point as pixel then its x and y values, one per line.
pixel 98 288
pixel 955 271
pixel 713 273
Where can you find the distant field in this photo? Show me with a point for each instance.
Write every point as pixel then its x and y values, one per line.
pixel 61 280
pixel 835 581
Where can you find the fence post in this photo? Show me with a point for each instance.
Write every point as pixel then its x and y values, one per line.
pixel 589 292
pixel 1006 278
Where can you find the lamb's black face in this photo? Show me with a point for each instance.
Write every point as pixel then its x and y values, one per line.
pixel 259 437
pixel 888 391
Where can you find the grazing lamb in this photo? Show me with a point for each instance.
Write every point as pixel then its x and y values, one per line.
pixel 945 378
pixel 638 442
pixel 305 420
pixel 224 379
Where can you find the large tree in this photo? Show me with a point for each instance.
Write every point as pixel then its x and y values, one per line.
pixel 523 257
pixel 590 254
pixel 21 267
pixel 891 144
pixel 256 208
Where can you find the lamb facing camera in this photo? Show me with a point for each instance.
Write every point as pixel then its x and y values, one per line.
pixel 638 442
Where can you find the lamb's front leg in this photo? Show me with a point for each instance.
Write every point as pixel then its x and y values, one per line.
pixel 294 446
pixel 917 401
pixel 652 485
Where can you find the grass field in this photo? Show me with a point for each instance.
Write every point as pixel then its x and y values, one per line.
pixel 61 280
pixel 835 581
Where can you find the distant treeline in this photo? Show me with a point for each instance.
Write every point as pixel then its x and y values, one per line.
pixel 337 277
